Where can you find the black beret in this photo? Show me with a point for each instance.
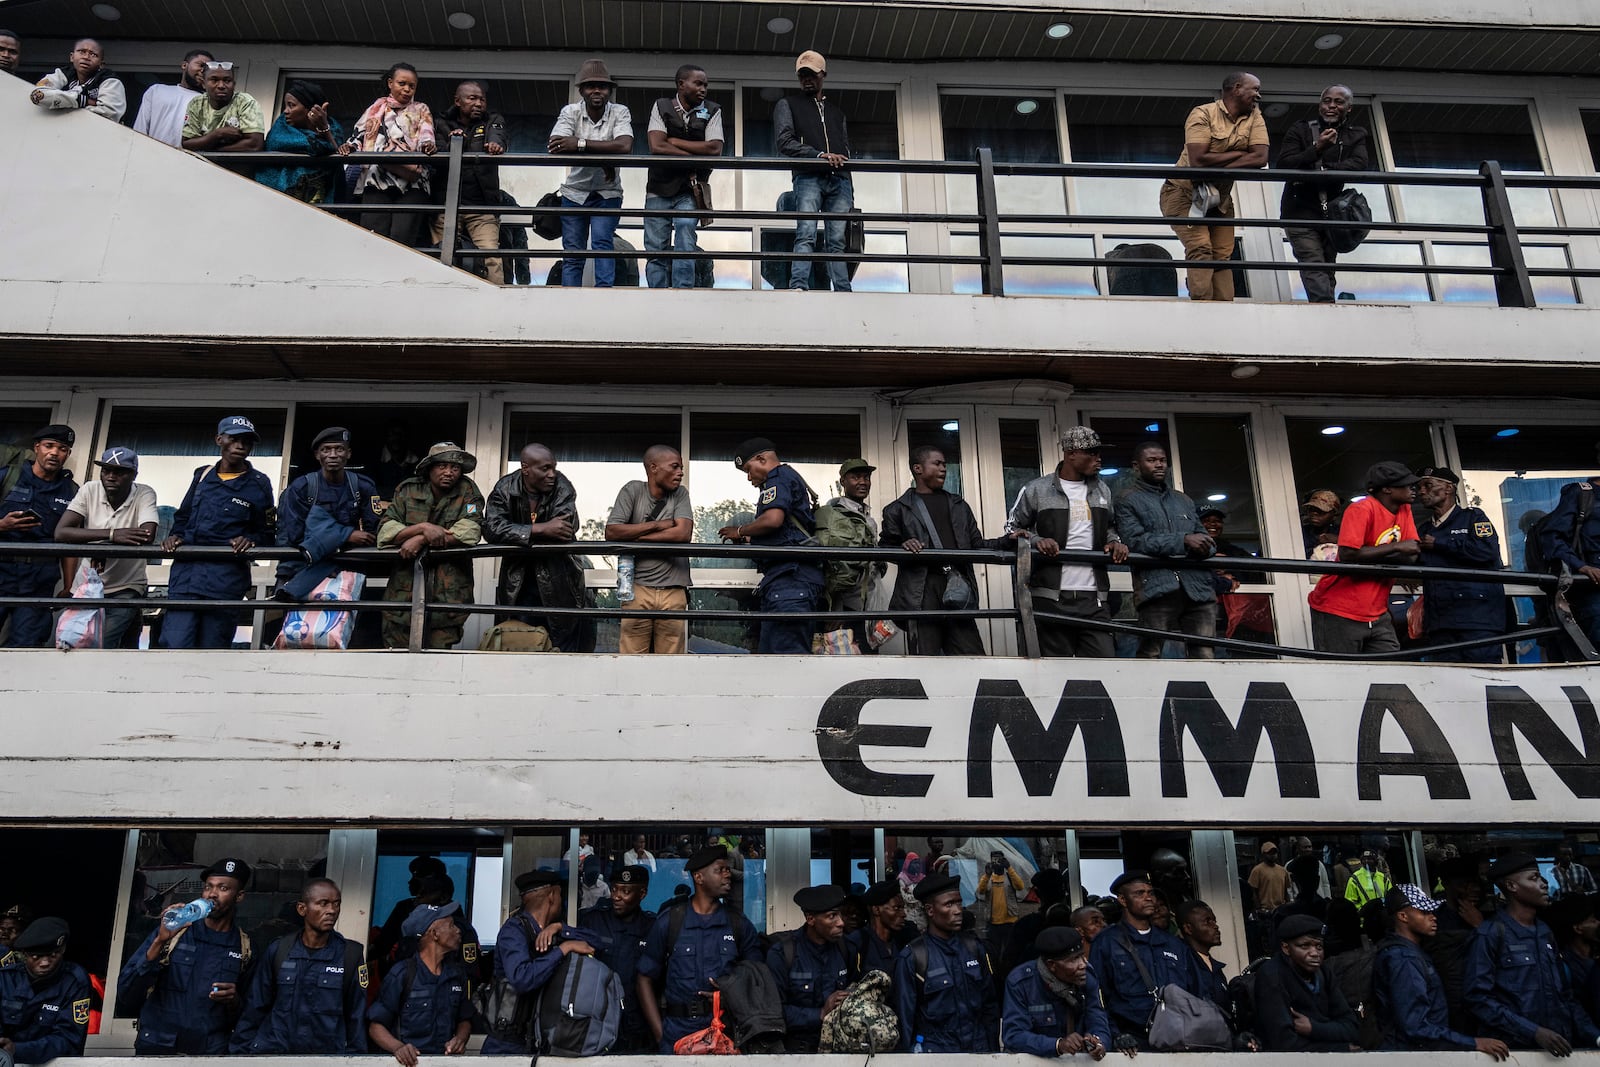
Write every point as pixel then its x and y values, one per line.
pixel 1510 864
pixel 706 857
pixel 56 431
pixel 751 448
pixel 1054 942
pixel 336 434
pixel 1299 926
pixel 1129 876
pixel 880 893
pixel 816 899
pixel 538 880
pixel 934 884
pixel 47 934
pixel 637 874
pixel 228 868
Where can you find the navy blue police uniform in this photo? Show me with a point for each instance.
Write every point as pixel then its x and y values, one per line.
pixel 305 1001
pixel 706 946
pixel 1460 611
pixel 1557 545
pixel 47 1019
pixel 866 951
pixel 38 576
pixel 618 943
pixel 178 1016
pixel 1515 983
pixel 786 585
pixel 215 511
pixel 1413 1012
pixel 951 1003
pixel 807 974
pixel 421 1008
pixel 1115 958
pixel 1035 1018
pixel 354 503
pixel 516 961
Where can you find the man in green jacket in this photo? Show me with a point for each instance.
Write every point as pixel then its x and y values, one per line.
pixel 440 508
pixel 846 522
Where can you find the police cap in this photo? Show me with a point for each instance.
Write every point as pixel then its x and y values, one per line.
pixel 337 434
pixel 817 899
pixel 934 884
pixel 230 868
pixel 880 893
pixel 43 935
pixel 56 431
pixel 527 883
pixel 1512 863
pixel 1297 926
pixel 751 448
pixel 1126 877
pixel 637 874
pixel 1058 942
pixel 705 858
pixel 425 915
pixel 1443 474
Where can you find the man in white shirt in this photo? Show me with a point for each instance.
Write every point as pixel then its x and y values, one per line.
pixel 162 110
pixel 114 510
pixel 594 127
pixel 638 855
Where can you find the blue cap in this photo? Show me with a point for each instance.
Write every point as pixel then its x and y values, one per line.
pixel 237 426
pixel 424 916
pixel 125 458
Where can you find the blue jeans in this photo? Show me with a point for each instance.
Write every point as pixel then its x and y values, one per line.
pixel 821 192
pixel 788 593
pixel 676 234
pixel 589 231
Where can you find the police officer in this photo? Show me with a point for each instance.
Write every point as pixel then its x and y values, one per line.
pixel 1464 538
pixel 785 515
pixel 690 945
pixel 875 946
pixel 191 979
pixel 1515 981
pixel 389 935
pixel 810 966
pixel 44 1000
pixel 1412 1011
pixel 1563 539
pixel 29 512
pixel 424 1005
pixel 13 920
pixel 1119 951
pixel 350 501
pixel 441 889
pixel 620 927
pixel 1052 1003
pixel 228 503
pixel 309 994
pixel 943 980
pixel 531 944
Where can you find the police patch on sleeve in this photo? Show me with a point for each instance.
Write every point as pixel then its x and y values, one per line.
pixel 469 952
pixel 361 975
pixel 377 506
pixel 80 1012
pixel 768 495
pixel 1483 529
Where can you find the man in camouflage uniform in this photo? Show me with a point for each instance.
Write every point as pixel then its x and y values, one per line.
pixel 846 521
pixel 440 508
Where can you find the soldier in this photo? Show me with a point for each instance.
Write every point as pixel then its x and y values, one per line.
pixel 620 927
pixel 943 980
pixel 810 966
pixel 1052 1003
pixel 846 521
pixel 424 1006
pixel 711 935
pixel 531 945
pixel 190 978
pixel 1412 1012
pixel 439 508
pixel 310 996
pixel 44 1000
pixel 875 945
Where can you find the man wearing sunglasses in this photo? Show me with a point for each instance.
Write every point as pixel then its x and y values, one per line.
pixel 44 1000
pixel 223 119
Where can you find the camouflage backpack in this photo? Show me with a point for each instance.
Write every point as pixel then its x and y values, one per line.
pixel 863 1021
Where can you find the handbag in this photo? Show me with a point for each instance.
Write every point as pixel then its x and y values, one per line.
pixel 1346 206
pixel 545 224
pixel 83 627
pixel 713 1040
pixel 1415 626
pixel 316 628
pixel 959 594
pixel 1181 1021
pixel 839 642
pixel 701 192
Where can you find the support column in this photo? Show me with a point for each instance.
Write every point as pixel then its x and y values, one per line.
pixel 1216 881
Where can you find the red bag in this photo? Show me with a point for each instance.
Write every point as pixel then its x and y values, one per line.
pixel 712 1041
pixel 1415 626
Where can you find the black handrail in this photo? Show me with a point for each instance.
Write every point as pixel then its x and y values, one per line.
pixel 1513 278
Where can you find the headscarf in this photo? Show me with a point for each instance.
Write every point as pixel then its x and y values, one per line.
pixel 912 872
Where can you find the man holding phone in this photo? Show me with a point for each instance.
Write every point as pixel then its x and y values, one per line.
pixel 38 496
pixel 1000 885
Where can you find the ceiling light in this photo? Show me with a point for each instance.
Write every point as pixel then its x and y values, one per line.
pixel 1110 470
pixel 1276 111
pixel 1027 107
pixel 1217 498
pixel 1058 30
pixel 951 427
pixel 1327 41
pixel 1245 370
pixel 780 25
pixel 1332 431
pixel 1509 431
pixel 1154 427
pixel 106 12
pixel 461 20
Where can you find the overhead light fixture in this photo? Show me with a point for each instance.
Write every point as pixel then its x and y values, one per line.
pixel 1027 107
pixel 1244 370
pixel 1154 427
pixel 1276 111
pixel 780 25
pixel 951 427
pixel 1509 431
pixel 106 12
pixel 1332 431
pixel 1110 470
pixel 1058 30
pixel 1217 498
pixel 461 20
pixel 1327 41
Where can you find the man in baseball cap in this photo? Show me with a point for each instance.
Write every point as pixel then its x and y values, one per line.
pixel 808 126
pixel 1352 614
pixel 115 510
pixel 350 500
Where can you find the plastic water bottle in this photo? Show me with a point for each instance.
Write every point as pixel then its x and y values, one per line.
pixel 917 1048
pixel 624 577
pixel 194 911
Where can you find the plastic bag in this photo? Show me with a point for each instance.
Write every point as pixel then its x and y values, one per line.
pixel 83 627
pixel 311 628
pixel 839 642
pixel 712 1041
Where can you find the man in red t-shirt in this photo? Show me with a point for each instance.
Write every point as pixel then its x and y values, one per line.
pixel 1352 614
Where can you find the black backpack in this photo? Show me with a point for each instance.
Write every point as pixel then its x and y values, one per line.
pixel 1242 997
pixel 1352 973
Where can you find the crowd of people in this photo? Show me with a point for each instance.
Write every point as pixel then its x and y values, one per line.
pixel 1489 959
pixel 1229 133
pixel 231 503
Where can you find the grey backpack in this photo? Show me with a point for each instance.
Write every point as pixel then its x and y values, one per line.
pixel 580 1009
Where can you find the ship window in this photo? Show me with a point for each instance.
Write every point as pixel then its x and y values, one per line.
pixel 173 441
pixel 1123 129
pixel 17 424
pixel 1025 279
pixel 1591 131
pixel 1479 288
pixel 1459 136
pixel 1018 126
pixel 387 441
pixel 33 876
pixel 874 117
pixel 945 435
pixel 473 861
pixel 1323 459
pixel 1376 286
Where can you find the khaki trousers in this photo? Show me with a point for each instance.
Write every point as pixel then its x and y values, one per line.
pixel 1202 242
pixel 484 230
pixel 661 636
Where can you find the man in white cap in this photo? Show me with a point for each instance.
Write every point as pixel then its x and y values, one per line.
pixel 1412 1009
pixel 807 126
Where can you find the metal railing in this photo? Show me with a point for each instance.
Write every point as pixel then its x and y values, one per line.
pixel 1562 627
pixel 1508 268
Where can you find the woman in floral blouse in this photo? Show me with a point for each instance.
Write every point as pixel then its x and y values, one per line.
pixel 396 122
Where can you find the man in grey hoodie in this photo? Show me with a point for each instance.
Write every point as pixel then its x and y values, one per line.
pixel 1157 520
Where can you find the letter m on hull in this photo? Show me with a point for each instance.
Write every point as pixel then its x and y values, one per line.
pixel 1230 751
